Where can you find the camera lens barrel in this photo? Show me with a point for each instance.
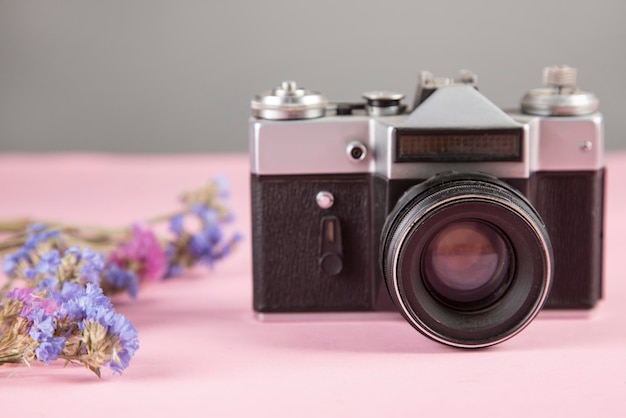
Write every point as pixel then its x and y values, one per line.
pixel 466 259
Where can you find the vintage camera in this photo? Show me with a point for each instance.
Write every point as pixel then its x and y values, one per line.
pixel 465 218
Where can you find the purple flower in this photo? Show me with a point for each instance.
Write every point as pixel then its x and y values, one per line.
pixel 49 283
pixel 121 278
pixel 206 246
pixel 10 262
pixel 87 306
pixel 91 262
pixel 227 248
pixel 122 329
pixel 78 303
pixel 37 234
pixel 42 330
pixel 174 270
pixel 77 322
pixel 50 350
pixel 142 254
pixel 223 185
pixel 69 291
pixel 21 294
pixel 43 325
pixel 32 301
pixel 207 215
pixel 209 246
pixel 202 244
pixel 177 224
pixel 102 314
pixel 48 264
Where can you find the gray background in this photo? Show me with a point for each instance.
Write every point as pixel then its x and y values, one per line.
pixel 177 76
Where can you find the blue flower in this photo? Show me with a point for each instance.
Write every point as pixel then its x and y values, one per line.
pixel 228 247
pixel 177 224
pixel 102 314
pixel 69 291
pixel 92 263
pixel 202 244
pixel 37 234
pixel 208 246
pixel 89 305
pixel 223 186
pixel 174 267
pixel 124 330
pixel 78 303
pixel 10 262
pixel 207 215
pixel 174 270
pixel 78 311
pixel 50 350
pixel 49 263
pixel 47 266
pixel 122 279
pixel 42 325
pixel 42 330
pixel 94 297
pixel 49 283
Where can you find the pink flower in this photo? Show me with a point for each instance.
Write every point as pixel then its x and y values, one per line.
pixel 142 255
pixel 32 301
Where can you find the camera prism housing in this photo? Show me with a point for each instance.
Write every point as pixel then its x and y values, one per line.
pixel 465 218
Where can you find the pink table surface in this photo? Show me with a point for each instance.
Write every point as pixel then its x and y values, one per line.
pixel 204 354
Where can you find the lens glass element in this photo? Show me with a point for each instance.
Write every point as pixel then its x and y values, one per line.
pixel 467 263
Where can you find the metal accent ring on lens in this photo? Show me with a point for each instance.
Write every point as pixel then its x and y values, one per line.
pixel 424 329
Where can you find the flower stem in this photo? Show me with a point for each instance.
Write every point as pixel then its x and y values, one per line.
pixel 6 287
pixel 15 225
pixel 9 353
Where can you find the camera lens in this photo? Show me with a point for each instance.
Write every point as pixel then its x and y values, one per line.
pixel 467 264
pixel 466 259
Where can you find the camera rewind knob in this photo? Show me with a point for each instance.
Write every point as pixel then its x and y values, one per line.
pixel 288 102
pixel 560 97
pixel 559 76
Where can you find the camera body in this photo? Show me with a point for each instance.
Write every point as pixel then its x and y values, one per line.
pixel 352 205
